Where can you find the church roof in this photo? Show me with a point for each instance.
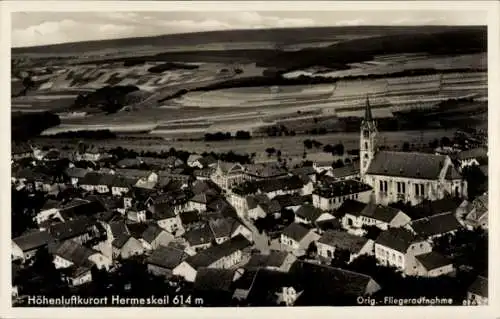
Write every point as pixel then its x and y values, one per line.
pixel 407 164
pixel 368 110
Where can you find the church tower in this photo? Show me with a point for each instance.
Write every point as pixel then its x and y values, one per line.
pixel 367 140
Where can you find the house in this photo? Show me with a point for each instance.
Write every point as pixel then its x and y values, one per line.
pixel 129 162
pixel 76 174
pixel 347 172
pixel 323 285
pixel 227 175
pixel 475 156
pixel 136 213
pixel 96 181
pixel 193 161
pixel 409 177
pixel 262 171
pixel 226 228
pixel 335 240
pixel 433 264
pixel 155 236
pixel 360 214
pixel 53 211
pixel 224 256
pixel 81 229
pixel 274 260
pixel 241 201
pixel 477 294
pixel 435 226
pixel 259 206
pixel 205 187
pixel 161 163
pixel 126 246
pixel 166 217
pixel 307 171
pixel 199 202
pixel 293 201
pixel 398 247
pixel 190 219
pixel 173 162
pixel 25 246
pixel 310 215
pixel 477 213
pixel 296 238
pixel 430 208
pixel 215 285
pixel 203 174
pixel 199 238
pixel 21 151
pixel 164 259
pixel 329 197
pixel 70 253
pixel 284 185
pixel 79 275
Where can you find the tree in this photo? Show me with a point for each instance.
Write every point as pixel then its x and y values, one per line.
pixel 308 144
pixel 312 250
pixel 339 149
pixel 270 151
pixel 406 147
pixel 341 258
pixel 476 181
pixel 287 216
pixel 372 231
pixel 338 163
pixel 445 141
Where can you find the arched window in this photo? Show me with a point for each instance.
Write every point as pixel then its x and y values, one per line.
pixel 366 155
pixel 366 145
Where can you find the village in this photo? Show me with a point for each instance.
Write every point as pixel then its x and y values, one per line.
pixel 261 234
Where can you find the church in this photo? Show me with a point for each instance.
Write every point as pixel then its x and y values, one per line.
pixel 409 177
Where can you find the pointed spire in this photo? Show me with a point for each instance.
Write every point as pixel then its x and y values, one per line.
pixel 368 110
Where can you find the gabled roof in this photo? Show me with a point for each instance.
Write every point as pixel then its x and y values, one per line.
pixel 341 188
pixel 290 200
pixel 121 240
pixel 282 183
pixel 133 173
pixel 254 200
pixel 296 231
pixel 223 227
pixel 429 208
pixel 407 164
pixel 199 235
pixel 309 212
pixel 347 170
pixel 163 211
pixel 74 252
pixel 193 157
pixel 480 287
pixel 214 279
pixel 433 260
pixel 210 255
pixel 265 170
pixel 396 238
pixel 151 233
pixel 119 228
pixel 71 228
pixel 479 152
pixel 273 259
pixel 343 240
pixel 452 173
pixel 304 170
pixel 32 240
pixel 379 212
pixel 350 206
pixel 189 217
pixel 271 207
pixel 201 198
pixel 167 257
pixel 76 172
pixel 436 225
pixel 328 283
pixel 230 168
pixel 137 229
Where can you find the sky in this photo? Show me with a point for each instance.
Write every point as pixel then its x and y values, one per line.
pixel 42 28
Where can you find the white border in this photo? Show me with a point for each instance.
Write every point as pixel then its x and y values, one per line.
pixel 493 9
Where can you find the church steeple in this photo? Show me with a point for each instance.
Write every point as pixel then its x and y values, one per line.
pixel 367 139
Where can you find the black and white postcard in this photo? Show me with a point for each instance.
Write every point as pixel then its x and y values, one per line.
pixel 267 156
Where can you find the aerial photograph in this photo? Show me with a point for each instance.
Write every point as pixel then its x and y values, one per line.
pixel 249 159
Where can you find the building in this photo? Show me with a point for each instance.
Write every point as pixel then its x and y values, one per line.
pixel 357 215
pixel 345 173
pixel 25 247
pixel 154 237
pixel 296 238
pixel 224 256
pixel 329 197
pixel 477 293
pixel 399 248
pixel 433 264
pixel 274 260
pixel 164 259
pixel 335 240
pixel 262 171
pixel 70 253
pixel 407 177
pixel 435 226
pixel 227 175
pixel 76 174
pixel 21 151
pixel 475 156
pixel 126 246
pixel 80 229
pixel 310 215
pixel 260 206
pixel 477 213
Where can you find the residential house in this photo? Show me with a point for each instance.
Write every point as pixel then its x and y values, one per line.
pixel 81 229
pixel 79 275
pixel 214 285
pixel 433 264
pixel 164 259
pixel 347 172
pixel 274 260
pixel 199 202
pixel 435 226
pixel 477 294
pixel 136 213
pixel 225 256
pixel 397 247
pixel 477 213
pixel 71 253
pixel 193 161
pixel 154 237
pixel 76 174
pixel 126 246
pixel 329 197
pixel 409 177
pixel 25 246
pixel 296 238
pixel 21 151
pixel 190 219
pixel 263 171
pixel 129 162
pixel 166 217
pixel 176 174
pixel 336 240
pixel 310 215
pixel 199 238
pixel 293 201
pixel 429 208
pixel 326 285
pixel 359 214
pixel 226 228
pixel 204 173
pixel 475 156
pixel 307 171
pixel 259 206
pixel 227 175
